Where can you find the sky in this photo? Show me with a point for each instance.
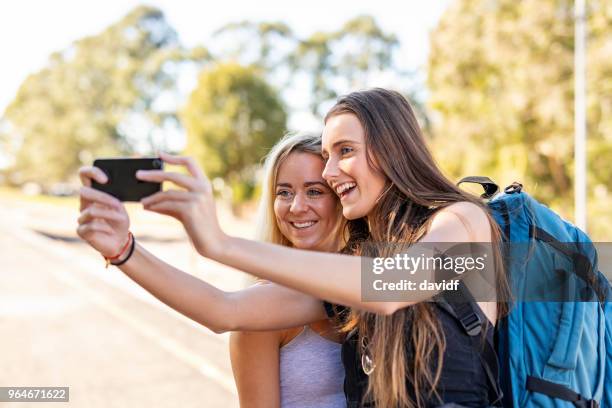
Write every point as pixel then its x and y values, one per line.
pixel 31 30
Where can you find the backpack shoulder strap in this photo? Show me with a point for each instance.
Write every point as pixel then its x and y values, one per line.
pixel 490 187
pixel 461 305
pixel 559 391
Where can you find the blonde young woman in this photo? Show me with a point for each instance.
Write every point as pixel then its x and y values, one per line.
pixel 298 367
pixel 293 368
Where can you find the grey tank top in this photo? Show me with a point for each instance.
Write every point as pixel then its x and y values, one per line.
pixel 311 372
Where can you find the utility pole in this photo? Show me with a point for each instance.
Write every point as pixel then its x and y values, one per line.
pixel 580 182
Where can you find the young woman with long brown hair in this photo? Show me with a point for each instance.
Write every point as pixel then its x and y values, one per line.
pixel 392 191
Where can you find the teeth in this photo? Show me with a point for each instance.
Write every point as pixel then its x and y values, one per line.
pixel 303 224
pixel 343 187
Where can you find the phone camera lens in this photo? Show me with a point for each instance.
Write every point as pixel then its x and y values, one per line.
pixel 157 164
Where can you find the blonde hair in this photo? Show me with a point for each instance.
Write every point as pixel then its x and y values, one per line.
pixel 266 228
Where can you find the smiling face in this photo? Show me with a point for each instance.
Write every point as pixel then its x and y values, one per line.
pixel 306 209
pixel 347 170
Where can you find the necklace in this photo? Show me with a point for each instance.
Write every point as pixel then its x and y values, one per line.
pixel 367 364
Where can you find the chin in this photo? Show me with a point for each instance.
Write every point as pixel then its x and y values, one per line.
pixel 299 244
pixel 351 213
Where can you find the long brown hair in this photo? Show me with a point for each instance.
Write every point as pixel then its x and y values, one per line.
pixel 416 189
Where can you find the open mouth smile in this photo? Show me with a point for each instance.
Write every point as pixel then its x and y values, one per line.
pixel 302 224
pixel 345 188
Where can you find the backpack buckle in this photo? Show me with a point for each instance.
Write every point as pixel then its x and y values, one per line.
pixel 471 324
pixel 592 404
pixel 582 403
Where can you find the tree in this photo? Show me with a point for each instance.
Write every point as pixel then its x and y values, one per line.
pixel 501 81
pixel 340 61
pixel 232 119
pixel 266 45
pixel 331 62
pixel 102 96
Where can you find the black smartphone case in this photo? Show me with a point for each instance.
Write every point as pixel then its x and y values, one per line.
pixel 122 182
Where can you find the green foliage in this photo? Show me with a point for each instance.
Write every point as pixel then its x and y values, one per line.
pixel 501 81
pixel 115 93
pixel 374 50
pixel 340 61
pixel 74 108
pixel 331 62
pixel 264 44
pixel 232 119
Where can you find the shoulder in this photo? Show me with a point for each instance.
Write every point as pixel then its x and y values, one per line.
pixel 466 211
pixel 464 221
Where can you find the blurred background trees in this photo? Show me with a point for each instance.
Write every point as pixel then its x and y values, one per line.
pixel 102 96
pixel 501 82
pixel 340 61
pixel 232 119
pixel 117 93
pixel 498 100
pixel 328 63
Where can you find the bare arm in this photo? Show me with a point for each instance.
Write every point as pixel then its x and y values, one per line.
pixel 104 224
pixel 333 277
pixel 260 307
pixel 336 278
pixel 255 360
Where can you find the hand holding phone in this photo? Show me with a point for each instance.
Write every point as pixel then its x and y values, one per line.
pixel 122 182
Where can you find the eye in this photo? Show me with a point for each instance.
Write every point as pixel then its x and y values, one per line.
pixel 284 194
pixel 345 150
pixel 313 192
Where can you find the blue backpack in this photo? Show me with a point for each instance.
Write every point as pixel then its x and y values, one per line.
pixel 555 347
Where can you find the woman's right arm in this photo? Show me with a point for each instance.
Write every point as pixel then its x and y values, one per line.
pixel 259 307
pixel 104 224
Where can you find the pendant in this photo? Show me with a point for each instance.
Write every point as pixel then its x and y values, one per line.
pixel 367 364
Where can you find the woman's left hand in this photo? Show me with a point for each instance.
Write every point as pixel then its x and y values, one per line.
pixel 194 207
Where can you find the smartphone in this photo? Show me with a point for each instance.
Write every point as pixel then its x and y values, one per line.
pixel 122 182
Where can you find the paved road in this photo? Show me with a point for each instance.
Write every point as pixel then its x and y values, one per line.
pixel 66 321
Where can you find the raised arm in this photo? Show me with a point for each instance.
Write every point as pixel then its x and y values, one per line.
pixel 336 278
pixel 333 277
pixel 104 224
pixel 259 307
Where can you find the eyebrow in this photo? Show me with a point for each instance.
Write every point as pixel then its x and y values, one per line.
pixel 344 141
pixel 339 142
pixel 307 184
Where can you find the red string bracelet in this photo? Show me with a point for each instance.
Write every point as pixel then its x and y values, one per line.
pixel 125 247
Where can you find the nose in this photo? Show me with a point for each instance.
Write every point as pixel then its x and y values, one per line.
pixel 330 171
pixel 298 204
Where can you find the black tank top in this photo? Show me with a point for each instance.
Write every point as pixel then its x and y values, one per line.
pixel 463 379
